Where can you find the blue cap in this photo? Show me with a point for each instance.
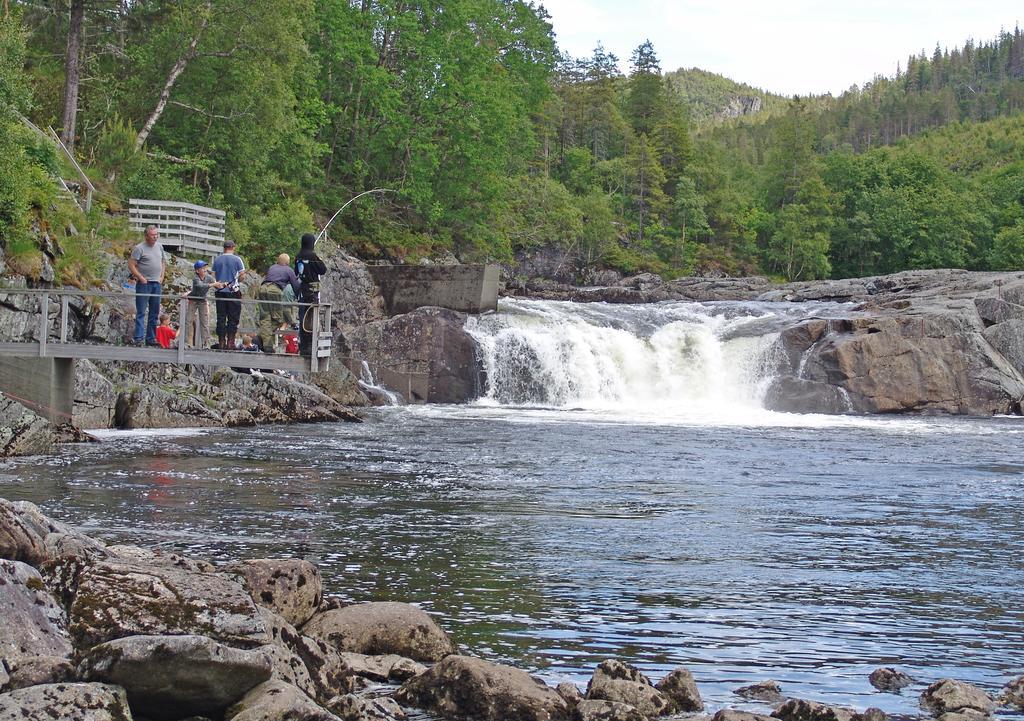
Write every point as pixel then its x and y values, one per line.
pixel 199 264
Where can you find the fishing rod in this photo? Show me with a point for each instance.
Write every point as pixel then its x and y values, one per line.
pixel 365 192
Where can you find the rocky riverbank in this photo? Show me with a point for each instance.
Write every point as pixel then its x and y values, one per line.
pixel 100 632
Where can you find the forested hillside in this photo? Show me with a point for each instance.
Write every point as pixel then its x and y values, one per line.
pixel 491 145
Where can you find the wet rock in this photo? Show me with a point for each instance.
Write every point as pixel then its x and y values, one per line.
pixel 425 355
pixel 569 692
pixel 681 690
pixel 354 708
pixel 67 702
pixel 22 431
pixel 277 701
pixel 19 541
pixel 287 665
pixel 787 394
pixel 767 691
pixel 121 597
pixel 292 588
pixel 381 628
pixel 590 710
pixel 800 710
pixel 168 677
pixel 340 384
pixel 890 679
pixel 59 539
pixel 1013 694
pixel 464 687
pixel 871 714
pixel 949 695
pixel 389 667
pixel 965 714
pixel 35 647
pixel 617 681
pixel 729 714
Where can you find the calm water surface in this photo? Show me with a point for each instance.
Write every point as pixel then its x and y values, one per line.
pixel 804 549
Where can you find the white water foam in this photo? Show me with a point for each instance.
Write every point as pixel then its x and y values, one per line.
pixel 667 360
pixel 667 363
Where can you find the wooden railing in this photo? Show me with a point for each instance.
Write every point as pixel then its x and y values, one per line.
pixel 50 342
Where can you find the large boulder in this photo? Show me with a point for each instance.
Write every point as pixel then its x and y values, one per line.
pixel 464 687
pixel 890 679
pixel 766 691
pixel 949 696
pixel 292 588
pixel 353 708
pixel 1008 339
pixel 923 359
pixel 286 664
pixel 59 540
pixel 66 702
pixel 22 431
pixel 426 355
pixel 590 710
pixel 1013 694
pixel 308 663
pixel 35 647
pixel 19 540
pixel 117 597
pixel 680 688
pixel 170 677
pixel 277 701
pixel 796 709
pixel 389 667
pixel 617 681
pixel 381 628
pixel 730 714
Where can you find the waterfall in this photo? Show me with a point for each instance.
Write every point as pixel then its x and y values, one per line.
pixel 666 358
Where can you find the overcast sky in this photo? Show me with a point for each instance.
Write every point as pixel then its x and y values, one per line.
pixel 785 46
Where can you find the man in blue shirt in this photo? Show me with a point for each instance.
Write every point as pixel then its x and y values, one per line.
pixel 229 269
pixel 147 265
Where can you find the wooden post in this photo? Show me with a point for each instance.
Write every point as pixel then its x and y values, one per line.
pixel 44 323
pixel 182 328
pixel 64 319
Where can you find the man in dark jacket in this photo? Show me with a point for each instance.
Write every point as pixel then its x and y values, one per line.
pixel 308 268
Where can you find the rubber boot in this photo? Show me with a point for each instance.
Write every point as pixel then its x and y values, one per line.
pixel 222 342
pixel 231 341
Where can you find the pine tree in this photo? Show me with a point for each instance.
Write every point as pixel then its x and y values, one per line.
pixel 645 100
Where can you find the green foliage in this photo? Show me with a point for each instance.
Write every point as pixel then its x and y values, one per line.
pixel 14 89
pixel 1008 248
pixel 709 97
pixel 277 230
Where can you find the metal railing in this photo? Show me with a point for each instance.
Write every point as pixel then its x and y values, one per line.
pixel 53 341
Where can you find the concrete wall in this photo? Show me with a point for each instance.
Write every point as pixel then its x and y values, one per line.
pixel 45 385
pixel 465 288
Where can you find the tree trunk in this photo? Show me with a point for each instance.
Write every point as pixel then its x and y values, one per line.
pixel 72 73
pixel 172 78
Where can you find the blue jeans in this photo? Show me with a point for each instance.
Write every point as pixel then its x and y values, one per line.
pixel 144 304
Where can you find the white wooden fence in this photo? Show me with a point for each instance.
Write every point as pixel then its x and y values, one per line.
pixel 183 226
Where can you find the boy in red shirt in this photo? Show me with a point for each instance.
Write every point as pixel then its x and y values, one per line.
pixel 164 332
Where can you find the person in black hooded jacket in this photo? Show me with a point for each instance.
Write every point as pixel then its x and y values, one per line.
pixel 308 267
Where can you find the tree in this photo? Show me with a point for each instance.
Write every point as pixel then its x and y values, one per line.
pixel 645 183
pixel 1008 248
pixel 645 100
pixel 72 72
pixel 689 213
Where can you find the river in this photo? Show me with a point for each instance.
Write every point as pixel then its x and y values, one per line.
pixel 634 502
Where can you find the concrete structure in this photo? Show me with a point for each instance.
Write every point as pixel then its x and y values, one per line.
pixel 465 288
pixel 39 369
pixel 45 385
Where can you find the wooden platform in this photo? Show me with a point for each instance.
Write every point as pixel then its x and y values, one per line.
pixel 185 356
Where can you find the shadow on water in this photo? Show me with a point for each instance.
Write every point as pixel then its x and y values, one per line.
pixel 806 554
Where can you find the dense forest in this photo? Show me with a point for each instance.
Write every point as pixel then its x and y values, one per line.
pixel 490 144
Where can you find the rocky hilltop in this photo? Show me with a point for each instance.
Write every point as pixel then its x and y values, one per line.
pixel 97 632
